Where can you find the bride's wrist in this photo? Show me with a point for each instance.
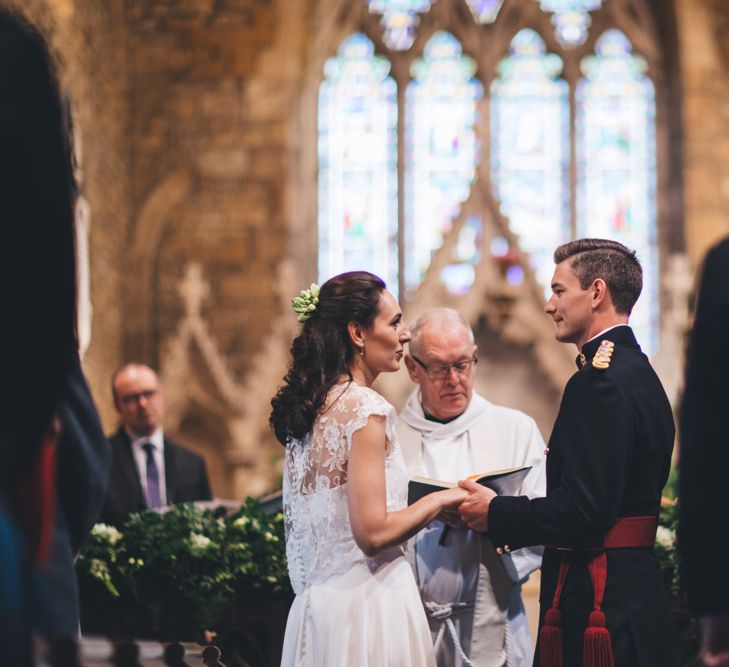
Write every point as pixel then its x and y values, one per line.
pixel 444 502
pixel 433 503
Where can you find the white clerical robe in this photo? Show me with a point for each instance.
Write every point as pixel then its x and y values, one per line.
pixel 459 574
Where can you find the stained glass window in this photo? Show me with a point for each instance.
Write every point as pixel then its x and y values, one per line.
pixel 399 19
pixel 530 149
pixel 571 18
pixel 459 276
pixel 571 150
pixel 358 164
pixel 616 166
pixel 442 149
pixel 485 11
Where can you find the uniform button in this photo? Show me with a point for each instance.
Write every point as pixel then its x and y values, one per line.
pixel 507 549
pixel 499 550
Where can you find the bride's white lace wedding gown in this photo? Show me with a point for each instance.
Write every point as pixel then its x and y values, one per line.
pixel 349 609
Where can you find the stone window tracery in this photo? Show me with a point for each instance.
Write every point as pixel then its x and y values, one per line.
pixel 554 116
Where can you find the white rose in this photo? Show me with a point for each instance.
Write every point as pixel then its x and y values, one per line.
pixel 109 533
pixel 198 543
pixel 666 537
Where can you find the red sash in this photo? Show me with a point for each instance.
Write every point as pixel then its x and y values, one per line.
pixel 627 532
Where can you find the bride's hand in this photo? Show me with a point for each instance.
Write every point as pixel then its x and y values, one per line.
pixel 451 498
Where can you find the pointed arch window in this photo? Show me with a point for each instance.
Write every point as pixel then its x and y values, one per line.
pixel 530 148
pixel 564 136
pixel 441 148
pixel 358 163
pixel 616 163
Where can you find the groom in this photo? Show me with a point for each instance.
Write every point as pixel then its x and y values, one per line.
pixel 472 594
pixel 608 460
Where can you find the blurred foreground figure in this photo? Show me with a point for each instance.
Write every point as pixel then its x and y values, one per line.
pixel 703 539
pixel 53 457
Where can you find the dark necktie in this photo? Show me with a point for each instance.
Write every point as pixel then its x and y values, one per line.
pixel 153 495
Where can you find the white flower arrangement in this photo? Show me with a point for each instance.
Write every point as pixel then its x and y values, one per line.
pixel 106 532
pixel 188 562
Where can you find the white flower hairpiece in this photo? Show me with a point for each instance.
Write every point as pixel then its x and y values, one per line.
pixel 305 304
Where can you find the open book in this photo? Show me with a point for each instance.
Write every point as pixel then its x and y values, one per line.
pixel 505 482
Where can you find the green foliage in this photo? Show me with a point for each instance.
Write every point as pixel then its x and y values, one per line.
pixel 185 566
pixel 671 489
pixel 256 550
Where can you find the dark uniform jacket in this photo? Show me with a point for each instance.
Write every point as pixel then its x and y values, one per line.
pixel 185 477
pixel 704 461
pixel 609 456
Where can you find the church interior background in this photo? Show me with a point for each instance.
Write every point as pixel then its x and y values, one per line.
pixel 230 152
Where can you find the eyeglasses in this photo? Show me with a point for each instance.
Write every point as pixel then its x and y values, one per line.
pixel 131 399
pixel 442 371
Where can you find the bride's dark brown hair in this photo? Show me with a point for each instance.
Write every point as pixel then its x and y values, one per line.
pixel 323 352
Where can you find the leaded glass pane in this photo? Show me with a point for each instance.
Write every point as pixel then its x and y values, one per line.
pixel 485 11
pixel 442 149
pixel 459 276
pixel 616 166
pixel 399 18
pixel 571 18
pixel 358 164
pixel 530 149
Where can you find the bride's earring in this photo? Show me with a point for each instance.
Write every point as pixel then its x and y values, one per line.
pixel 361 351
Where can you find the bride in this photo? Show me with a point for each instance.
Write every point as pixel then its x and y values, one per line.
pixel 345 485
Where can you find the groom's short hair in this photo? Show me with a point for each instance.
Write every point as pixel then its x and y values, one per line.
pixel 615 263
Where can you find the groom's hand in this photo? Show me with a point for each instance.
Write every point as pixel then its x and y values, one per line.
pixel 474 510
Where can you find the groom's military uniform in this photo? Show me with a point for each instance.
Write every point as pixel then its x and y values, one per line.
pixel 608 460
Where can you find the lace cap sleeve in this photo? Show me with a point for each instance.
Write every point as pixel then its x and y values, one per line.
pixel 355 405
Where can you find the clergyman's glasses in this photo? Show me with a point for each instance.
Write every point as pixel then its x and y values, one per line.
pixel 442 371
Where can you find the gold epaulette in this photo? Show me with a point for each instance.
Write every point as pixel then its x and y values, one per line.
pixel 604 355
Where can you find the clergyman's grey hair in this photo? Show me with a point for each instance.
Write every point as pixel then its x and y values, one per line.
pixel 437 316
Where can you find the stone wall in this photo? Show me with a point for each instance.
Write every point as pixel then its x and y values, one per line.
pixel 86 39
pixel 704 53
pixel 183 112
pixel 195 143
pixel 211 86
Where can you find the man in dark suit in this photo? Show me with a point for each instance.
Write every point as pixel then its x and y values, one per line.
pixel 603 599
pixel 147 469
pixel 703 538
